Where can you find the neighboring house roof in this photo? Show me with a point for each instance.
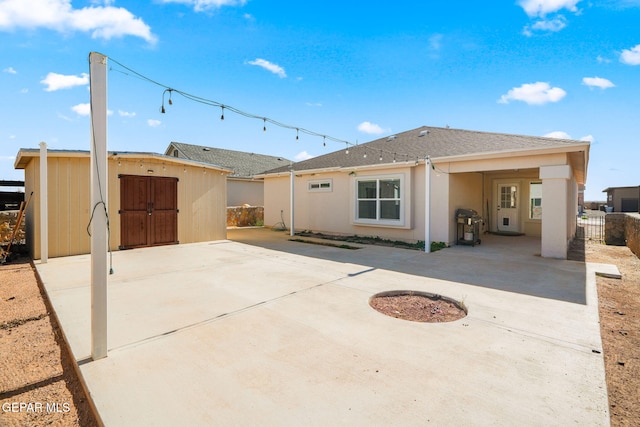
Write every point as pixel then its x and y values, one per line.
pixel 244 165
pixel 606 190
pixel 26 154
pixel 437 143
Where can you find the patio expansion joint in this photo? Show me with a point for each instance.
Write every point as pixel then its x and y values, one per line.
pixel 219 317
pixel 582 348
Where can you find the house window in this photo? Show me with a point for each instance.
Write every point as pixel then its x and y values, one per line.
pixel 319 186
pixel 535 200
pixel 379 201
pixel 175 153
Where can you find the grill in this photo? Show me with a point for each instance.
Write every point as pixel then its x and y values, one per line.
pixel 468 227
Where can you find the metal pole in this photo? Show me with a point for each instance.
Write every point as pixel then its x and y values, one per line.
pixel 99 193
pixel 44 205
pixel 427 204
pixel 292 206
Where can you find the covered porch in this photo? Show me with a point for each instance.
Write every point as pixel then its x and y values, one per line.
pixel 536 196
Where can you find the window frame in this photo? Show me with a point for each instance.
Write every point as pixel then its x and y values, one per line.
pixel 378 221
pixel 320 182
pixel 531 201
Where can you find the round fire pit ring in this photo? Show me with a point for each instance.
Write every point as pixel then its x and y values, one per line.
pixel 417 306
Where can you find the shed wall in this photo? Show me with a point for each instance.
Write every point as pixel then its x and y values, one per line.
pixel 201 201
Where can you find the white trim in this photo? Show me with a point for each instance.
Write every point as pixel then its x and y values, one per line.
pixel 404 201
pixel 323 185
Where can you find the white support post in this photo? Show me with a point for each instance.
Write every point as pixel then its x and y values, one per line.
pixel 99 194
pixel 427 204
pixel 292 206
pixel 44 205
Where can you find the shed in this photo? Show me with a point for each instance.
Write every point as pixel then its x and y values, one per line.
pixel 152 200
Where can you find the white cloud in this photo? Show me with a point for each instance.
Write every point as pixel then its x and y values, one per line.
pixel 588 138
pixel 313 104
pixel 558 135
pixel 126 114
pixel 544 7
pixel 371 128
pixel 551 25
pixel 602 60
pixel 204 5
pixel 303 156
pixel 82 109
pixel 59 15
pixel 55 81
pixel 631 56
pixel 25 90
pixel 154 123
pixel 10 70
pixel 534 94
pixel 274 68
pixel 597 82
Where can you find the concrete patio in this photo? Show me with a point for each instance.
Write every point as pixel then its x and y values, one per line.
pixel 258 330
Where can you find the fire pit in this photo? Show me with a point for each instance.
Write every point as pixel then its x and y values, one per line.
pixel 418 306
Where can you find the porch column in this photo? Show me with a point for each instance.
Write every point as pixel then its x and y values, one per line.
pixel 555 210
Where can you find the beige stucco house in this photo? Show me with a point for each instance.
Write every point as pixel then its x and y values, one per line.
pixel 518 184
pixel 152 200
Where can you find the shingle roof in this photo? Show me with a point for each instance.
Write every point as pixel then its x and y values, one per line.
pixel 244 165
pixel 433 141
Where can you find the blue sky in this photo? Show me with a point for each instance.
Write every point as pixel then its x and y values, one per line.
pixel 355 71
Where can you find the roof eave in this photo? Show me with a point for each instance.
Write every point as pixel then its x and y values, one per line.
pixel 569 148
pixel 25 155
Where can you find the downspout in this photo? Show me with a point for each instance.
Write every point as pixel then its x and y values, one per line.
pixel 44 205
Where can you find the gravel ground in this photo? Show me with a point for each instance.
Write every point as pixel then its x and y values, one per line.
pixel 39 386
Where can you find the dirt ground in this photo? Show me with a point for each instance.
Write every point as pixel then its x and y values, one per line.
pixel 619 307
pixel 417 308
pixel 38 384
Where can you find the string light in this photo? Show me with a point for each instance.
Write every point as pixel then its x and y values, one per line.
pixel 162 110
pixel 209 102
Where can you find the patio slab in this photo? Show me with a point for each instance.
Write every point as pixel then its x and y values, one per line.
pixel 231 333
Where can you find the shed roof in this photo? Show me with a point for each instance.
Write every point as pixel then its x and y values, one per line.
pixel 437 143
pixel 243 164
pixel 26 154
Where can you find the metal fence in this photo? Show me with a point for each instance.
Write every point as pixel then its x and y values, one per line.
pixel 590 226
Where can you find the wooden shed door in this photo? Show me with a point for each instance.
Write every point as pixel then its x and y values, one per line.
pixel 148 211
